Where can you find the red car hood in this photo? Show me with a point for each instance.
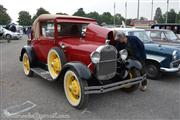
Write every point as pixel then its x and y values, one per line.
pixel 97 33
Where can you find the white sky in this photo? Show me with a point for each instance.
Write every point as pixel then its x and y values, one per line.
pixel 70 6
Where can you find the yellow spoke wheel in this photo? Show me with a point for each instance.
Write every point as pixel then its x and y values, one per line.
pixel 54 63
pixel 26 65
pixel 73 87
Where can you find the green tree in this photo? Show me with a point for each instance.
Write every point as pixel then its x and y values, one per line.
pixel 39 12
pixel 95 15
pixel 171 16
pixel 178 18
pixel 118 19
pixel 107 18
pixel 24 18
pixel 143 18
pixel 4 17
pixel 60 13
pixel 128 21
pixel 80 12
pixel 158 16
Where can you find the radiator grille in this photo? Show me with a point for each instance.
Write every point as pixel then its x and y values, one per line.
pixel 107 67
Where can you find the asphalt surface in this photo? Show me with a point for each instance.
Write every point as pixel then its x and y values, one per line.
pixel 160 101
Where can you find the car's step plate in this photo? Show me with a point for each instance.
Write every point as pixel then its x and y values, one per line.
pixel 43 73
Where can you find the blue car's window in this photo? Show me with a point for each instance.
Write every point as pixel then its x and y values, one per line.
pixel 141 35
pixel 170 35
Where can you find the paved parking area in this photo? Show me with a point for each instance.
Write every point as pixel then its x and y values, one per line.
pixel 160 101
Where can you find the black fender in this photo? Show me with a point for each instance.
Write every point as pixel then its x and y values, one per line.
pixel 130 63
pixel 30 52
pixel 82 70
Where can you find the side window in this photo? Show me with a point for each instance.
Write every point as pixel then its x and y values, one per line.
pixel 156 34
pixel 47 29
pixel 163 37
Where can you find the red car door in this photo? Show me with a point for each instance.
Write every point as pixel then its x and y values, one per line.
pixel 45 42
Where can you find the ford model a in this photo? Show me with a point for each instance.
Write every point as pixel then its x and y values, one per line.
pixel 81 54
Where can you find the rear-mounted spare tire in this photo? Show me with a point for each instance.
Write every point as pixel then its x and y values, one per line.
pixel 55 61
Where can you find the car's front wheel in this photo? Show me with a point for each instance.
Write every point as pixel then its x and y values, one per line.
pixel 153 70
pixel 8 37
pixel 74 89
pixel 26 65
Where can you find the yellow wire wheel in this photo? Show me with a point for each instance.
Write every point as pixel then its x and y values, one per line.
pixel 74 89
pixel 26 65
pixel 54 63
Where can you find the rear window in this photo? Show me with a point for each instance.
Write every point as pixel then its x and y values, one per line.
pixel 71 29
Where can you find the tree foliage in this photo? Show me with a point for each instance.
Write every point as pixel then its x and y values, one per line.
pixel 80 12
pixel 158 16
pixel 95 15
pixel 60 13
pixel 24 18
pixel 4 17
pixel 171 16
pixel 178 18
pixel 39 12
pixel 105 18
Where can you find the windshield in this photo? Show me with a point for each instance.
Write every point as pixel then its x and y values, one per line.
pixel 141 35
pixel 170 35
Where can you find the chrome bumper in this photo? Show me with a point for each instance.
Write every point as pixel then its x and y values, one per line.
pixel 173 69
pixel 114 86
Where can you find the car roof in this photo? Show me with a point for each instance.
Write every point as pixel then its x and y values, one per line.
pixel 49 16
pixel 162 30
pixel 126 29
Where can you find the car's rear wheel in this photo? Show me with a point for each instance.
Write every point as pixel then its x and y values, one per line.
pixel 56 60
pixel 26 65
pixel 153 70
pixel 74 89
pixel 133 73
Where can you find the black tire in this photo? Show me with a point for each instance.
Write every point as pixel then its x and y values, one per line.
pixel 61 58
pixel 83 98
pixel 27 65
pixel 153 70
pixel 8 37
pixel 135 73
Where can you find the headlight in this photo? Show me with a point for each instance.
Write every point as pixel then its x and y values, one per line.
pixel 123 54
pixel 174 55
pixel 95 57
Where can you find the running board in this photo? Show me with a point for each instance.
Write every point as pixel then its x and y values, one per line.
pixel 43 73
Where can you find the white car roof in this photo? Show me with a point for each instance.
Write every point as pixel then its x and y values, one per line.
pixel 127 29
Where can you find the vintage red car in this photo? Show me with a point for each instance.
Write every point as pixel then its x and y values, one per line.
pixel 81 54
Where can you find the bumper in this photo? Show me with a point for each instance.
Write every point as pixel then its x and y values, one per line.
pixel 170 69
pixel 113 86
pixel 174 67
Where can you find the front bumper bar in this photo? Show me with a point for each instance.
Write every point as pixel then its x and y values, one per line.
pixel 177 69
pixel 113 86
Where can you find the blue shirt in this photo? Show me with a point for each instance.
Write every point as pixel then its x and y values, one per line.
pixel 134 46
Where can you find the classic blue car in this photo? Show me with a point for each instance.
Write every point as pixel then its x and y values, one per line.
pixel 160 58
